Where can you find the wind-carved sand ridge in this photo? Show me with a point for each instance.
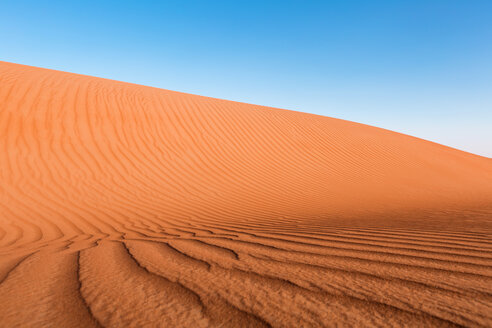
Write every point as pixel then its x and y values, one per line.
pixel 124 205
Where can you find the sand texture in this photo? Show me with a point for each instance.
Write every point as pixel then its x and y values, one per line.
pixel 129 206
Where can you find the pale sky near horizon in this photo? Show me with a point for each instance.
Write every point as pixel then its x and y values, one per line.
pixel 422 68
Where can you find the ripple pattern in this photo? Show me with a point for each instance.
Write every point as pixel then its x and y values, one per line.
pixel 129 206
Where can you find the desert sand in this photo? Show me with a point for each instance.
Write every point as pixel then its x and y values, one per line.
pixel 130 206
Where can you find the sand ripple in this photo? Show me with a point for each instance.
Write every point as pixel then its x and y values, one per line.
pixel 124 205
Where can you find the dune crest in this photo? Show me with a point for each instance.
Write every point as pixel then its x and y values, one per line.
pixel 126 205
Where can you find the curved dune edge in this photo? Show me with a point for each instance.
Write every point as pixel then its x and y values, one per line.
pixel 126 205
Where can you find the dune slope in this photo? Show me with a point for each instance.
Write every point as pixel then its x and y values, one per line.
pixel 126 205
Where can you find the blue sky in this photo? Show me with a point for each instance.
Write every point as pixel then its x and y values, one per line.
pixel 419 67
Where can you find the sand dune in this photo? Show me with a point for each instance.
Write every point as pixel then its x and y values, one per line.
pixel 125 205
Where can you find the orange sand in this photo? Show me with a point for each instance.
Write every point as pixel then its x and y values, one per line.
pixel 126 205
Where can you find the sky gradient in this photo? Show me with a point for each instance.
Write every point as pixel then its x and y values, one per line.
pixel 418 67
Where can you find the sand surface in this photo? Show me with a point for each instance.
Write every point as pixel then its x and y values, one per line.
pixel 125 205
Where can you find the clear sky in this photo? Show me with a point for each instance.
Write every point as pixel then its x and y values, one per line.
pixel 421 67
